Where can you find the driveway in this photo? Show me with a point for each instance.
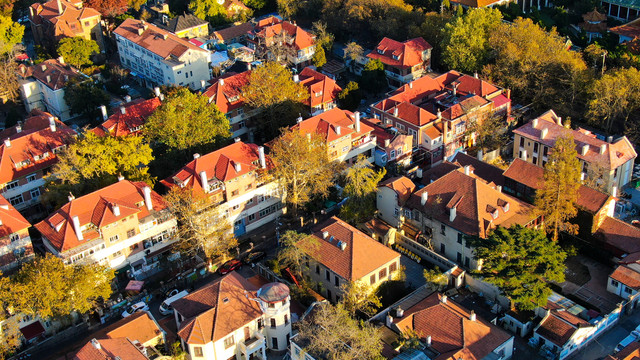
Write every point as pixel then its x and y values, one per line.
pixel 413 272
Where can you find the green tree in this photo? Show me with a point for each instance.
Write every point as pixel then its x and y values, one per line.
pixel 291 255
pixel 594 55
pixel 319 58
pixel 94 162
pixel 614 98
pixel 10 34
pixel 288 8
pixel 272 91
pixel 77 51
pixel 465 42
pixel 302 167
pixel 85 98
pixel 337 336
pixel 256 4
pixel 202 229
pixel 556 200
pixel 431 30
pixel 436 280
pixel 6 7
pixel 374 79
pixel 11 338
pixel 360 191
pixel 187 122
pixel 324 38
pixel 9 84
pixel 209 10
pixel 520 261
pixel 349 98
pixel 359 297
pixel 136 4
pixel 489 133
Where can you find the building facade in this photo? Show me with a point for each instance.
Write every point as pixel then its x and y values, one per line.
pixel 282 41
pixel 403 61
pixel 323 90
pixel 15 242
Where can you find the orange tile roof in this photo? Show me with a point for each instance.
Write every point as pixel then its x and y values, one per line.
pixel 326 124
pixel 322 89
pixel 226 91
pixel 400 54
pixel 629 352
pixel 51 73
pixel 481 169
pixel 615 154
pixel 474 200
pixel 131 122
pixel 233 32
pixel 161 42
pixel 217 309
pixel 138 327
pixel 96 209
pixel 560 326
pixel 272 26
pixel 361 256
pixel 121 348
pixel 630 29
pixel 627 276
pixel 402 185
pixel 35 139
pixel 219 164
pixel 12 220
pixel 453 334
pixel 69 22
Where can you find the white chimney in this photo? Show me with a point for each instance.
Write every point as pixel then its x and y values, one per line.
pixel 544 133
pixel 0 222
pixel 7 142
pixel 357 121
pixel 395 111
pixel 296 78
pixel 221 82
pixel 338 130
pixel 534 122
pixel 419 173
pixel 236 139
pixel 203 84
pixel 71 197
pixel 443 299
pixel 156 91
pixel 439 114
pixel 499 188
pixel 263 162
pixel 18 128
pixel 238 167
pixel 584 149
pixel 399 312
pixel 43 67
pixel 196 156
pixel 467 169
pixel 204 181
pixel 610 139
pixel 524 155
pixel 52 124
pixel 452 214
pixel 123 110
pixel 76 227
pixel 389 321
pixel 127 99
pixel 472 316
pixel 480 155
pixel 147 197
pixel 116 209
pixel 411 85
pixel 559 120
pixel 386 143
pixel 603 149
pixel 423 198
pixel 61 60
pixel 96 344
pixel 103 110
pixel 325 234
pixel 120 177
pixel 48 78
pixel 342 245
pixel 299 119
pixel 428 341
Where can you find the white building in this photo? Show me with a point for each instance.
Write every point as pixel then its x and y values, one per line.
pixel 625 279
pixel 159 57
pixel 229 319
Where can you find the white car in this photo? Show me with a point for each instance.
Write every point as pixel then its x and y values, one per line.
pixel 139 306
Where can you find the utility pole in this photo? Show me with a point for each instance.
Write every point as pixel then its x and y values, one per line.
pixel 604 55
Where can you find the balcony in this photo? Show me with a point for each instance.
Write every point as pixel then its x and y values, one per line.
pixel 254 346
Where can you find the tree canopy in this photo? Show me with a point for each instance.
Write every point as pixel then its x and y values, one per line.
pixel 10 34
pixel 613 98
pixel 360 191
pixel 349 98
pixel 290 255
pixel 520 261
pixel 109 8
pixel 557 198
pixel 374 78
pixel 186 121
pixel 77 51
pixel 465 42
pixel 209 10
pixel 359 297
pixel 489 133
pixel 85 98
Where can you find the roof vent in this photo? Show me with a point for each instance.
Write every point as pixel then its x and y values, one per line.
pixel 399 312
pixel 221 82
pixel 338 130
pixel 534 122
pixel 443 299
pixel 71 197
pixel 325 234
pixel 609 139
pixel 236 139
pixel 43 67
pixel 140 31
pixel 123 110
pixel 225 300
pixel 196 156
pixel 116 209
pixel 428 341
pixel 48 78
pixel 472 316
pixel 7 142
pixel 423 198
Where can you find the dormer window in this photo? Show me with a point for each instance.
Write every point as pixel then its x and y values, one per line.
pixel 395 57
pixel 380 51
pixel 494 214
pixel 318 94
pixel 503 204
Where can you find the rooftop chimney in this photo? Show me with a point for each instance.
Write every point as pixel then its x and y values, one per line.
pixel 71 197
pixel 147 197
pixel 467 169
pixel 7 142
pixel 411 85
pixel 452 214
pixel 424 197
pixel 534 122
pixel 584 149
pixel 357 121
pixel 238 167
pixel 338 130
pixel 428 341
pixel 603 149
pixel 76 227
pixel 95 342
pixel 443 299
pixel 116 209
pixel 296 78
pixel 299 119
pixel 455 89
pixel 325 234
pixel 43 67
pixel 236 139
pixel 61 60
pixel 52 124
pixel 120 177
pixel 472 316
pixel 439 114
pixel 395 111
pixel 342 245
pixel 263 162
pixel 18 128
pixel 60 10
pixel 386 143
pixel 221 82
pixel 609 139
pixel 204 181
pixel 480 155
pixel 48 78
pixel 127 98
pixel 544 133
pixel 559 120
pixel 196 156
pixel 419 173
pixel 203 84
pixel 389 320
pixel 123 110
pixel 103 110
pixel 156 90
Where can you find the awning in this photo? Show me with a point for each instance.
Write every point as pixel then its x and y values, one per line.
pixel 32 330
pixel 134 285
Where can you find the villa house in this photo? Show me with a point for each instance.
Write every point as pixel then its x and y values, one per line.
pixel 15 242
pixel 226 94
pixel 403 61
pixel 276 40
pixel 625 279
pixel 323 90
pixel 186 26
pixel 392 147
pixel 129 118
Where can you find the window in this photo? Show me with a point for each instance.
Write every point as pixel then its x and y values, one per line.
pixel 197 351
pixel 345 149
pixel 273 323
pixel 459 238
pixel 274 341
pixel 392 154
pixel 535 147
pixel 31 177
pixel 11 185
pixel 35 193
pixel 614 283
pixel 131 233
pixel 459 258
pixel 286 319
pixel 251 217
pixel 133 247
pixel 467 262
pixel 443 228
pixel 627 290
pixel 382 274
pixel 317 269
pixel 393 267
pixel 336 281
pixel 400 126
pixel 521 142
pixel 234 193
pixel 16 200
pixel 372 279
pixel 442 248
pixel 545 151
pixel 396 212
pixel 114 238
pixel 228 342
pixel 235 207
pixel 14 237
pixel 260 324
pixel 399 151
pixel 260 198
pixel 535 160
pixel 327 275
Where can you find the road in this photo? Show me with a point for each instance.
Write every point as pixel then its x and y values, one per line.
pixel 605 344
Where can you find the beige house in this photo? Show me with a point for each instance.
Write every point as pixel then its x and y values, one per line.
pixel 15 242
pixel 338 253
pixel 612 160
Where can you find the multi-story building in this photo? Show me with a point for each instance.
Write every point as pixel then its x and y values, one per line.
pixel 624 281
pixel 392 146
pixel 611 161
pixel 233 34
pixel 234 178
pixel 346 137
pixel 337 254
pixel 436 111
pixel 323 90
pixel 282 41
pixel 226 94
pixel 129 118
pixel 187 25
pixel 123 224
pixel 403 61
pixel 15 242
pixel 42 86
pixel 231 319
pixel 27 155
pixel 159 57
pixel 57 19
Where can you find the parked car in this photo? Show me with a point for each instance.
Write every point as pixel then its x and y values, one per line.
pixel 139 306
pixel 626 341
pixel 254 257
pixel 166 308
pixel 171 292
pixel 229 266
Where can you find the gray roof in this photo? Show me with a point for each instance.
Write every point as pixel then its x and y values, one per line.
pixel 181 23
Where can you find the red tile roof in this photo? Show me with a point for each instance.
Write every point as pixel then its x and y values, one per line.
pixel 322 89
pixel 97 210
pixel 361 256
pixel 35 139
pixel 402 185
pixel 138 327
pixel 217 309
pixel 69 22
pixel 131 122
pixel 481 169
pixel 630 29
pixel 11 220
pixel 272 26
pixel 615 154
pixel 226 92
pixel 630 352
pixel 161 42
pixel 623 237
pixel 52 73
pixel 453 334
pixel 628 276
pixel 220 164
pixel 326 125
pixel 474 200
pixel 110 349
pixel 560 326
pixel 400 54
pixel 233 32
